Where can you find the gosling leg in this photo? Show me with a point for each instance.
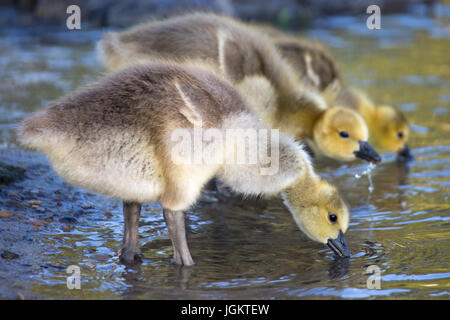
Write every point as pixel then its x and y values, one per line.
pixel 130 251
pixel 177 232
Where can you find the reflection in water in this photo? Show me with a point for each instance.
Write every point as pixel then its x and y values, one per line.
pixel 339 268
pixel 244 248
pixel 182 276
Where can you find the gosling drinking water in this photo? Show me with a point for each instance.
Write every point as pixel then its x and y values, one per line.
pixel 114 137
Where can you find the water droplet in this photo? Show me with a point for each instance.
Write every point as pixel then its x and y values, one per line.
pixel 367 173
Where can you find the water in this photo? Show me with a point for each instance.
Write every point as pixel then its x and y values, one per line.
pixel 242 248
pixel 367 172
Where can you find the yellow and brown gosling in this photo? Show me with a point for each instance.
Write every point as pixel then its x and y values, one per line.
pixel 313 64
pixel 389 129
pixel 250 60
pixel 121 137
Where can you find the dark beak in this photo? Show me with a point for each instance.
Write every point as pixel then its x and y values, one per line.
pixel 339 245
pixel 366 152
pixel 404 154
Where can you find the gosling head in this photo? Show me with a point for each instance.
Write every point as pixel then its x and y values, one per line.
pixel 391 131
pixel 341 133
pixel 320 213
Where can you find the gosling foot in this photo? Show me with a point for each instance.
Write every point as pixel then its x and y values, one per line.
pixel 130 252
pixel 130 256
pixel 177 232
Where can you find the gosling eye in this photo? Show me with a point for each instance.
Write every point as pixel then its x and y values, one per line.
pixel 400 135
pixel 333 218
pixel 343 134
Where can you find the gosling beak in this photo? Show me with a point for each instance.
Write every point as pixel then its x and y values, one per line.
pixel 366 152
pixel 339 245
pixel 404 154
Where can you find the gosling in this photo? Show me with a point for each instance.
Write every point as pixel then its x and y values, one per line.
pixel 388 127
pixel 121 137
pixel 250 61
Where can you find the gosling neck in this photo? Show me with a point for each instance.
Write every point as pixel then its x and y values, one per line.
pixel 298 106
pixel 303 188
pixel 297 118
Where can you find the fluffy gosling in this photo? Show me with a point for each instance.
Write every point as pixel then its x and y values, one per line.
pixel 116 137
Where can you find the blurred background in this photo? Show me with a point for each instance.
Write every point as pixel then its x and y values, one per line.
pixel 284 13
pixel 243 248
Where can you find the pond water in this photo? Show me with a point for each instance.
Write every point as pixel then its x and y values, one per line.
pixel 243 248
